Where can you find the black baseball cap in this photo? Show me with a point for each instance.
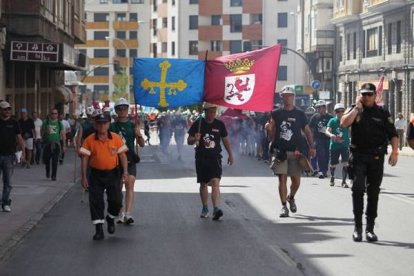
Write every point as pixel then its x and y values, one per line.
pixel 102 118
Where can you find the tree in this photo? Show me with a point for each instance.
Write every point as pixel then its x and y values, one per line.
pixel 121 83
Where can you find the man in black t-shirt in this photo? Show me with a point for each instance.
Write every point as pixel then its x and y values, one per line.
pixel 28 130
pixel 10 133
pixel 318 125
pixel 208 136
pixel 288 123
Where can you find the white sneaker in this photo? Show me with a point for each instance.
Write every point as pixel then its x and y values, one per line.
pixel 6 208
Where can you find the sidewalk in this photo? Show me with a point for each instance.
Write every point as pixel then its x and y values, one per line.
pixel 33 196
pixel 406 151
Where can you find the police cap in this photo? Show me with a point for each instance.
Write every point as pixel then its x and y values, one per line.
pixel 368 88
pixel 102 118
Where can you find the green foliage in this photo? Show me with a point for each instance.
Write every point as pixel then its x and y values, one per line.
pixel 121 83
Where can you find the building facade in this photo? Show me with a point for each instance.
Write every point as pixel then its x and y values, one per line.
pixel 36 41
pixel 375 39
pixel 117 32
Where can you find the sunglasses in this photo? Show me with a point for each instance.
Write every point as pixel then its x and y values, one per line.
pixel 122 108
pixel 53 113
pixel 6 109
pixel 339 111
pixel 367 94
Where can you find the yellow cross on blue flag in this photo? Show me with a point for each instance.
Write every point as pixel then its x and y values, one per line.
pixel 161 82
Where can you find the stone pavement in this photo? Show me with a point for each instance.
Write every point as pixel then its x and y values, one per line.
pixel 33 196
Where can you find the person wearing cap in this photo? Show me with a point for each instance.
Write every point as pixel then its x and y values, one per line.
pixel 288 122
pixel 179 127
pixel 105 151
pixel 208 134
pixel 318 124
pixel 372 128
pixel 28 133
pixel 410 133
pixel 11 134
pixel 129 132
pixel 339 144
pixel 53 132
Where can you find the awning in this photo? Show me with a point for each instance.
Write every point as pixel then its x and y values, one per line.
pixel 63 94
pixel 71 79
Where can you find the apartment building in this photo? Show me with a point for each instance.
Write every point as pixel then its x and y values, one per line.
pixel 374 40
pixel 37 39
pixel 190 28
pixel 318 42
pixel 117 31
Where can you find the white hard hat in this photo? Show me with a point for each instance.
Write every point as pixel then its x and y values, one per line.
pixel 90 110
pixel 339 106
pixel 321 103
pixel 97 112
pixel 121 101
pixel 209 105
pixel 287 90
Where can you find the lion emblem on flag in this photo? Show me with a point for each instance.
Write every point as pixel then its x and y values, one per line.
pixel 239 89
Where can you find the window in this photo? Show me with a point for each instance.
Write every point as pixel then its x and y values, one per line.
pixel 236 3
pixel 340 48
pixel 215 20
pixel 173 2
pixel 216 46
pixel 165 22
pixel 100 53
pixel 133 53
pixel 101 71
pixel 398 37
pixel 101 89
pixel 120 52
pixel 120 1
pixel 193 1
pixel 380 40
pixel 133 34
pixel 103 1
pixel 348 46
pixel 100 35
pixel 121 17
pixel 247 46
pixel 235 23
pixel 389 39
pixel 164 47
pixel 154 25
pixel 101 17
pixel 155 49
pixel 364 48
pixel 173 23
pixel 282 20
pixel 193 22
pixel 235 46
pixel 354 45
pixel 173 48
pixel 193 47
pixel 372 42
pixel 121 34
pixel 284 43
pixel 133 17
pixel 154 3
pixel 282 73
pixel 137 1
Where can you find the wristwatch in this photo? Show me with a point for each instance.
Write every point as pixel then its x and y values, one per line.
pixel 126 173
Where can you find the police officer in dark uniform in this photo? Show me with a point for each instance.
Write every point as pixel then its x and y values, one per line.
pixel 372 128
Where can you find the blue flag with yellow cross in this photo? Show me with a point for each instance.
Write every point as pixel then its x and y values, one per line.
pixel 162 82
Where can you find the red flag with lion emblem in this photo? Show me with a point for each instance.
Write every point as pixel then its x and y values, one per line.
pixel 244 81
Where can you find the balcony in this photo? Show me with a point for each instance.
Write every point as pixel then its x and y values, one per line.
pixel 348 13
pixel 384 5
pixel 97 25
pixel 79 32
pixel 132 44
pixel 252 6
pixel 98 61
pixel 207 33
pixel 96 43
pixel 123 25
pixel 322 3
pixel 96 79
pixel 252 32
pixel 208 7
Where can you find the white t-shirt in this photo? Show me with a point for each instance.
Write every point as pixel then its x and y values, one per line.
pixel 66 125
pixel 38 126
pixel 399 123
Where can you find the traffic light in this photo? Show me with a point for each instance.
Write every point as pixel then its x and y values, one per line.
pixel 315 97
pixel 117 69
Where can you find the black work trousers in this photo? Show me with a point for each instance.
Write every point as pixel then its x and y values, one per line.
pixel 99 182
pixel 368 172
pixel 51 152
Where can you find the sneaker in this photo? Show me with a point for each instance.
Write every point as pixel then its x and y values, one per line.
pixel 6 208
pixel 204 213
pixel 120 219
pixel 315 173
pixel 332 183
pixel 321 176
pixel 292 205
pixel 284 213
pixel 217 214
pixel 344 185
pixel 129 221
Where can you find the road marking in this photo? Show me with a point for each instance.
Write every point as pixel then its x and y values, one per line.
pixel 398 197
pixel 282 255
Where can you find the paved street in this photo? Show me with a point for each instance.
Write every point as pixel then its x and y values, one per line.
pixel 169 238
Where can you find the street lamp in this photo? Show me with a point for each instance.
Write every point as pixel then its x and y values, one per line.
pixel 128 67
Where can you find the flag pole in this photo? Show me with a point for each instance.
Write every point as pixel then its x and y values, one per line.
pixel 202 105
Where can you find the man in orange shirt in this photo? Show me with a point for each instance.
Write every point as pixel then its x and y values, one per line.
pixel 104 150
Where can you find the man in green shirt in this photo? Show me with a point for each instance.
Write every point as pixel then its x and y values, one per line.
pixel 339 144
pixel 52 132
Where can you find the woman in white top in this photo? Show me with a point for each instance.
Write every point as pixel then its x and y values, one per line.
pixel 399 125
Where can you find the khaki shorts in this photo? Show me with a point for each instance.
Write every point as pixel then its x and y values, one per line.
pixel 290 166
pixel 28 144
